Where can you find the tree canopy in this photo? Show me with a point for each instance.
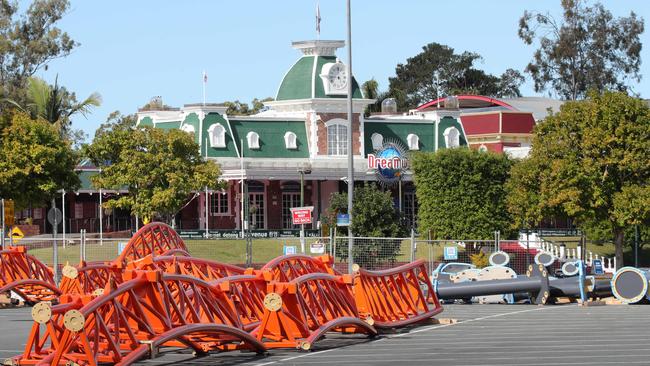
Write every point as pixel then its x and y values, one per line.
pixel 28 42
pixel 587 49
pixel 461 193
pixel 160 168
pixel 373 215
pixel 35 161
pixel 439 68
pixel 590 161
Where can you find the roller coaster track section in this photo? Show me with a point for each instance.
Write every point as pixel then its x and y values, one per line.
pixel 89 278
pixel 245 295
pixel 300 312
pixel 155 238
pixel 148 311
pixel 396 297
pixel 204 269
pixel 289 267
pixel 25 275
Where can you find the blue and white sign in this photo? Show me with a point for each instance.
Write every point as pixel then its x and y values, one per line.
pixel 342 220
pixel 289 249
pixel 597 267
pixel 451 253
pixel 121 246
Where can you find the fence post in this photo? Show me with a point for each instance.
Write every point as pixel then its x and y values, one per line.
pixel 413 245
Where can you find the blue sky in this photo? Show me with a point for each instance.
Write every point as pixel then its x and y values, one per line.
pixel 133 50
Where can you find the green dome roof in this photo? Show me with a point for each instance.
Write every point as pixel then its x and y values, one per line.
pixel 303 80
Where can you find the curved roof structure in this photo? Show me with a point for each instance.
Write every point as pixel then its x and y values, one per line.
pixel 538 106
pixel 467 101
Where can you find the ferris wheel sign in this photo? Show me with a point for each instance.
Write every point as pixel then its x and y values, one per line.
pixel 389 162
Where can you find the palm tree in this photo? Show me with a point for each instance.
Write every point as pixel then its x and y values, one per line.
pixel 55 104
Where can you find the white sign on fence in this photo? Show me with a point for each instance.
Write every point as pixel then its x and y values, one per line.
pixel 289 249
pixel 317 248
pixel 121 246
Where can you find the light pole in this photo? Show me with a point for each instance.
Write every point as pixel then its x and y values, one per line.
pixel 302 172
pixel 350 140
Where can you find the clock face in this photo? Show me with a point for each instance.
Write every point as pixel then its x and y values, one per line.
pixel 338 76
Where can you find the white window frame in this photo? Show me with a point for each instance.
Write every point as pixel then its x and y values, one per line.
pixel 377 141
pixel 187 128
pixel 413 141
pixel 452 137
pixel 341 144
pixel 290 140
pixel 215 197
pixel 217 135
pixel 482 148
pixel 253 140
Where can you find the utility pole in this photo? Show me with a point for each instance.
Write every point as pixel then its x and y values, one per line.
pixel 350 140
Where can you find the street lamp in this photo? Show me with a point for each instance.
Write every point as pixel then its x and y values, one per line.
pixel 302 172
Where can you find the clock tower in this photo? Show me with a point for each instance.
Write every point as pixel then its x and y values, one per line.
pixel 315 88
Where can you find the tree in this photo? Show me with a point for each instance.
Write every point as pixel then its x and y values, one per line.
pixel 28 42
pixel 590 161
pixel 587 49
pixel 438 68
pixel 461 193
pixel 238 108
pixel 56 104
pixel 159 168
pixel 373 216
pixel 35 162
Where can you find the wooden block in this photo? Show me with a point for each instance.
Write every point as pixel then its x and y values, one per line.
pixel 443 321
pixel 591 303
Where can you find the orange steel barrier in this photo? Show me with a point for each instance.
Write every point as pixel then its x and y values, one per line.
pixel 26 276
pixel 155 238
pixel 245 295
pixel 289 267
pixel 149 310
pixel 396 297
pixel 204 269
pixel 89 278
pixel 300 312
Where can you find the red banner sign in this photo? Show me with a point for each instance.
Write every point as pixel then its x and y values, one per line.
pixel 301 215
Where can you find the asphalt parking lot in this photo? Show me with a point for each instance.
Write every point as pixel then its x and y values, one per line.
pixel 484 335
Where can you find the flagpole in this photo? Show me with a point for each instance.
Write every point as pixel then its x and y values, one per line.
pixel 318 20
pixel 205 81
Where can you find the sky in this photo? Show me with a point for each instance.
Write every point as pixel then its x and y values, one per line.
pixel 131 51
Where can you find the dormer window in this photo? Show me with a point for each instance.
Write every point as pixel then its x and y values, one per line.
pixel 413 141
pixel 290 140
pixel 377 141
pixel 217 135
pixel 187 128
pixel 253 140
pixel 452 137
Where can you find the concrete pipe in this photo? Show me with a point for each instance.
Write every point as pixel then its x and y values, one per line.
pixel 630 285
pixel 499 258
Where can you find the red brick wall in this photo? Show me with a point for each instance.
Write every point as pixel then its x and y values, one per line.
pixel 322 131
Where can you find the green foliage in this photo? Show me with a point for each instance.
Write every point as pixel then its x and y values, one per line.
pixel 415 81
pixel 238 108
pixel 373 215
pixel 35 162
pixel 159 168
pixel 590 161
pixel 28 42
pixel 461 194
pixel 587 49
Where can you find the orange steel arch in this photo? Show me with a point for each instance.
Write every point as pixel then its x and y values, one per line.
pixel 149 310
pixel 26 276
pixel 289 267
pixel 89 278
pixel 300 312
pixel 204 269
pixel 396 297
pixel 155 238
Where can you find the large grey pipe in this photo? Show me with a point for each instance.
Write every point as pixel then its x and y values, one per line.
pixel 535 282
pixel 630 285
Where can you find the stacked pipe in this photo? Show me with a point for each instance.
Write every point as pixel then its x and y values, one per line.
pixel 155 295
pixel 630 285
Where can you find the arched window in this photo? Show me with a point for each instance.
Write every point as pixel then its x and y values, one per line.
pixel 187 128
pixel 413 141
pixel 377 140
pixel 452 137
pixel 337 138
pixel 290 140
pixel 253 140
pixel 217 135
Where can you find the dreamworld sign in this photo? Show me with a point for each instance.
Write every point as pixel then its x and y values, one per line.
pixel 389 162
